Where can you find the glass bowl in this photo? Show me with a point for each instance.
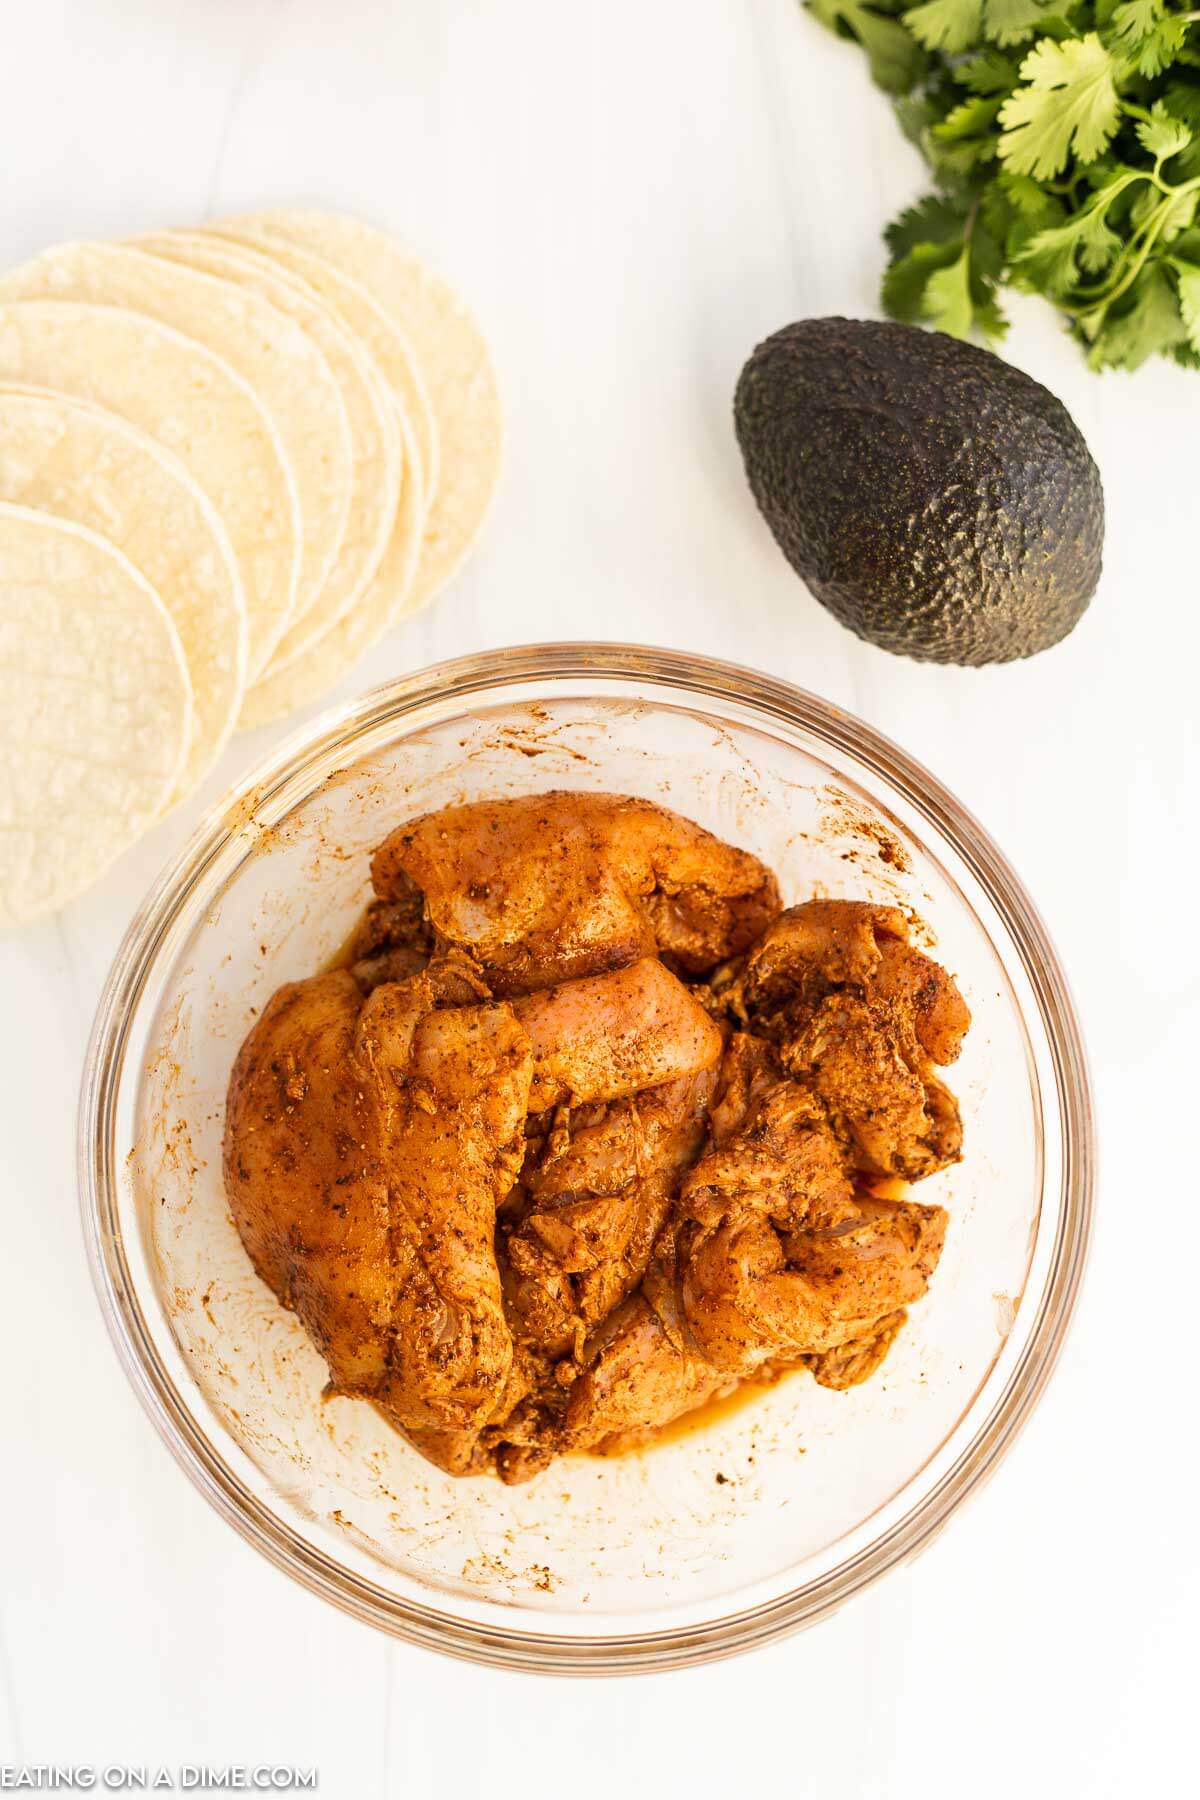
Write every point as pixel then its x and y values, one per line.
pixel 765 1516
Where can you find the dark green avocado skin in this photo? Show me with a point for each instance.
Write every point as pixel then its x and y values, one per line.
pixel 939 502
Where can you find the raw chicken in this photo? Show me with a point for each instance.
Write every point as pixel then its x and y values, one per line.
pixel 579 1138
pixel 860 1017
pixel 393 941
pixel 367 1145
pixel 453 1088
pixel 593 1199
pixel 855 1361
pixel 593 1196
pixel 627 1062
pixel 639 1375
pixel 549 887
pixel 607 1036
pixel 772 1258
pixel 305 1178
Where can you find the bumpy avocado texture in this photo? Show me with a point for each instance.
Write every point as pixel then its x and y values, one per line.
pixel 938 501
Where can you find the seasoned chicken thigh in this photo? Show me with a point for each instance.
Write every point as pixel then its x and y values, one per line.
pixel 452 1086
pixel 549 887
pixel 860 1017
pixel 592 1198
pixel 305 1178
pixel 638 1377
pixel 624 1067
pixel 772 1257
pixel 367 1146
pixel 592 1202
pixel 607 1036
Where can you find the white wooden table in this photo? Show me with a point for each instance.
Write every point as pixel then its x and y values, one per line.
pixel 632 195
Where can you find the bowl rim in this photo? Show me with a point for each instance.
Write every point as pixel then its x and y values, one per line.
pixel 465 678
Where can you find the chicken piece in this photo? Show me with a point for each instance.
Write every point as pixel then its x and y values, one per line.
pixel 367 1146
pixel 814 948
pixel 549 887
pixel 398 923
pixel 780 1155
pixel 749 1068
pixel 606 1036
pixel 769 1185
pixel 595 1193
pixel 920 992
pixel 453 1086
pixel 305 1178
pixel 648 1366
pixel 826 946
pixel 393 941
pixel 860 1017
pixel 638 1377
pixel 855 1361
pixel 472 1451
pixel 900 1119
pixel 771 1258
pixel 597 1182
pixel 869 1266
pixel 524 1444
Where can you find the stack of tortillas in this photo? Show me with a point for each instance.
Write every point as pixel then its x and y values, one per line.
pixel 230 459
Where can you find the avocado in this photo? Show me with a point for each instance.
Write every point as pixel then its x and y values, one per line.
pixel 939 502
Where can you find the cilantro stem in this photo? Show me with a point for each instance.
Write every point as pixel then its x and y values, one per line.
pixel 1137 262
pixel 1103 294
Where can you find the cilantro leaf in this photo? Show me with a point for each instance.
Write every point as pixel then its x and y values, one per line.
pixel 1149 324
pixel 1162 135
pixel 1085 237
pixel 947 302
pixel 957 161
pixel 986 268
pixel 1161 47
pixel 1068 103
pixel 1187 246
pixel 987 72
pixel 914 116
pixel 1135 19
pixel 1148 34
pixel 1048 260
pixel 1011 21
pixel 968 119
pixel 1187 278
pixel 1026 194
pixel 934 220
pixel 1178 211
pixel 950 25
pixel 904 284
pixel 988 316
pixel 896 60
pixel 1166 216
pixel 1183 103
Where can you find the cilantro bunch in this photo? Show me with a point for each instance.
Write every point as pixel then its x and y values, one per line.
pixel 1064 140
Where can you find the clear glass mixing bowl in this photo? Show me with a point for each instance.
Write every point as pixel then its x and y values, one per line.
pixel 769 1515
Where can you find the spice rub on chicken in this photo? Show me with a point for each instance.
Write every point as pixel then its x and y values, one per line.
pixel 584 1132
